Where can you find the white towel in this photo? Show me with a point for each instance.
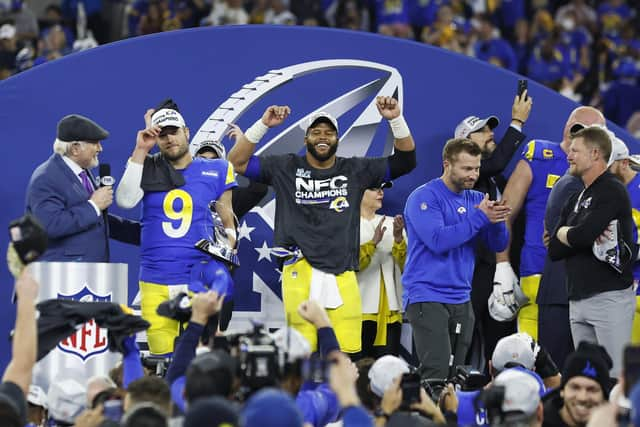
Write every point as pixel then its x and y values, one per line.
pixel 324 289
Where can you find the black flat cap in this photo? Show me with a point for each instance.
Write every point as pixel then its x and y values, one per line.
pixel 75 127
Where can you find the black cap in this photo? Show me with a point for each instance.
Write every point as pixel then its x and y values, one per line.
pixel 591 361
pixel 382 185
pixel 75 127
pixel 576 127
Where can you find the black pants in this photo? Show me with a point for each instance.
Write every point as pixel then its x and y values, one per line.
pixel 369 329
pixel 487 331
pixel 554 331
pixel 440 330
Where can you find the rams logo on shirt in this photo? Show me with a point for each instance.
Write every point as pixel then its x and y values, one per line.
pixel 547 154
pixel 339 204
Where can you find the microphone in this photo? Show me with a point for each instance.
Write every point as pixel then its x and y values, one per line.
pixel 105 175
pixel 105 178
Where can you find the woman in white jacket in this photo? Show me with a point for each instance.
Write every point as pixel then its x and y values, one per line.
pixel 382 257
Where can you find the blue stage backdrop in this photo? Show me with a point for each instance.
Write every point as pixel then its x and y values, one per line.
pixel 230 74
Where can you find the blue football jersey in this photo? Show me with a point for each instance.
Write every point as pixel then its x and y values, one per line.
pixel 548 163
pixel 634 194
pixel 173 221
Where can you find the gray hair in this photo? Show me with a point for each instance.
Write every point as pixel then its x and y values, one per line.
pixel 63 147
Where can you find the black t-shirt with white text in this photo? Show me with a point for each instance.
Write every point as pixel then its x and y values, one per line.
pixel 318 210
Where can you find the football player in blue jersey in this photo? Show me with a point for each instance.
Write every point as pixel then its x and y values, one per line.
pixel 175 190
pixel 620 165
pixel 542 164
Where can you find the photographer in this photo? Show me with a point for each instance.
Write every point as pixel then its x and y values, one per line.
pixel 518 351
pixel 513 400
pixel 402 402
pixel 203 306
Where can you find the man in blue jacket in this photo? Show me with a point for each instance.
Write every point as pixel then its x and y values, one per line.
pixel 443 218
pixel 64 196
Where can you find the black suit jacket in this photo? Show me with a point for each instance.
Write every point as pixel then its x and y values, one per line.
pixel 491 178
pixel 493 166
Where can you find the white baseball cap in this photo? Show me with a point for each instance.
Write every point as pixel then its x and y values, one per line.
pixel 167 117
pixel 473 124
pixel 515 349
pixel 7 31
pixel 384 371
pixel 67 399
pixel 521 391
pixel 619 151
pixel 215 146
pixel 37 396
pixel 321 116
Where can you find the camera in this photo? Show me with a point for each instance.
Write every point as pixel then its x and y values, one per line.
pixel 258 357
pixel 468 378
pixel 410 385
pixel 314 369
pixel 28 237
pixel 156 364
pixel 492 399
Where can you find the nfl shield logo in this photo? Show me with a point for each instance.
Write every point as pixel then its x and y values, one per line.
pixel 89 339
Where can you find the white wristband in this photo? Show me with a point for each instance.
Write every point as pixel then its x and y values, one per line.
pixel 230 232
pixel 399 128
pixel 255 133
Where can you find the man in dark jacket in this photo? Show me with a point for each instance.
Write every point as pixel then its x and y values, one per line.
pixel 594 236
pixel 66 199
pixel 495 159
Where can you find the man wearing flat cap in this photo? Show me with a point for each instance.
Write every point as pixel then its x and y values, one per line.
pixel 63 194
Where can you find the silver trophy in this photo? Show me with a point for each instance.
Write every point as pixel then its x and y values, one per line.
pixel 217 246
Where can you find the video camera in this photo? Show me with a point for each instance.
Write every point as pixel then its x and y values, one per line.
pixel 262 362
pixel 259 358
pixel 466 378
pixel 156 363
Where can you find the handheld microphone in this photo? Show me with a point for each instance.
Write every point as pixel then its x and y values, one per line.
pixel 105 178
pixel 105 175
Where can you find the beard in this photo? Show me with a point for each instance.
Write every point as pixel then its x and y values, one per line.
pixel 462 183
pixel 311 149
pixel 488 149
pixel 573 171
pixel 173 157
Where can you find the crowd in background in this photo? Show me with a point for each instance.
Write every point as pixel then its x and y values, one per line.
pixel 589 51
